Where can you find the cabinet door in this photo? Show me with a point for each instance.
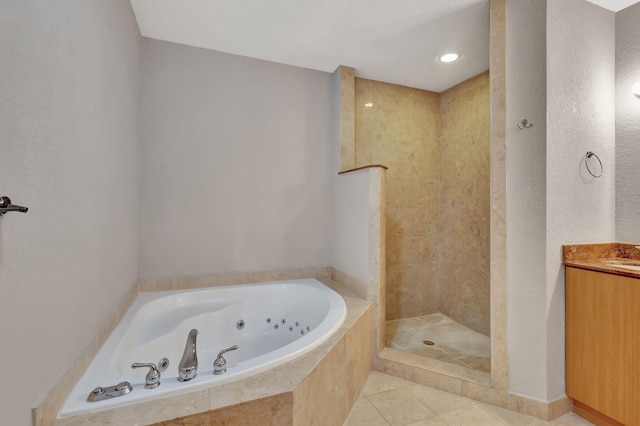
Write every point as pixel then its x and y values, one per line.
pixel 603 342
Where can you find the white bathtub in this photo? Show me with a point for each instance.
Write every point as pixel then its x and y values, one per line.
pixel 282 320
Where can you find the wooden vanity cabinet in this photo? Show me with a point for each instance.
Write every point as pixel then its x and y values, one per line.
pixel 603 345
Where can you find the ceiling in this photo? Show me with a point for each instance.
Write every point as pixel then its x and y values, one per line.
pixel 614 5
pixel 395 41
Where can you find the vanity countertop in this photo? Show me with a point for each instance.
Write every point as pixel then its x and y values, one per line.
pixel 612 258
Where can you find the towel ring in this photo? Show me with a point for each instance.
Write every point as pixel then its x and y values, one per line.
pixel 586 163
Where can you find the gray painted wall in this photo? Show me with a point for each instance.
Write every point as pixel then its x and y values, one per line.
pixel 565 86
pixel 627 125
pixel 68 150
pixel 237 161
pixel 526 195
pixel 580 118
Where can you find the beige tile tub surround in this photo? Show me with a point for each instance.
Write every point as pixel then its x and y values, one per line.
pixel 184 283
pixel 339 367
pixel 437 149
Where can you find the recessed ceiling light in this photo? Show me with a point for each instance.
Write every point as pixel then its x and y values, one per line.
pixel 448 57
pixel 369 104
pixel 635 89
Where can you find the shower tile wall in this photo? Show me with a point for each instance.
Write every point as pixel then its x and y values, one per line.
pixel 437 149
pixel 463 290
pixel 398 126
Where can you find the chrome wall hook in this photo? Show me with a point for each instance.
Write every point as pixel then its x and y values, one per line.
pixel 6 206
pixel 525 124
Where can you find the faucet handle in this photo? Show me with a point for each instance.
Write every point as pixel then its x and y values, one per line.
pixel 220 364
pixel 6 206
pixel 152 379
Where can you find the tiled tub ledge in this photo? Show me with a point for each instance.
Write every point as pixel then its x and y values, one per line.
pixel 318 388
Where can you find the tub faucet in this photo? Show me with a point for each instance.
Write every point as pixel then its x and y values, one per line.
pixel 220 364
pixel 188 368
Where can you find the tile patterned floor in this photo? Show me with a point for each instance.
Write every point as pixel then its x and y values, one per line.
pixel 387 400
pixel 454 343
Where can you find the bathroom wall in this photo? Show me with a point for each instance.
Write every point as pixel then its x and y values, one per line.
pixel 437 149
pixel 580 118
pixel 627 125
pixel 68 151
pixel 350 238
pixel 237 160
pixel 567 81
pixel 526 197
pixel 463 278
pixel 400 130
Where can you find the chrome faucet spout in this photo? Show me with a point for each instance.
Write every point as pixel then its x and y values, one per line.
pixel 188 368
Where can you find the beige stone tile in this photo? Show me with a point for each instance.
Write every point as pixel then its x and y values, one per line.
pixel 379 382
pixel 433 353
pixel 560 407
pixel 359 355
pixel 477 363
pixel 510 417
pixel 400 407
pixel 438 381
pixel 347 117
pixel 570 419
pixel 158 410
pixel 491 396
pixel 275 411
pixel 365 414
pixel 202 419
pixel 439 402
pixel 353 284
pixel 329 379
pixel 455 344
pixel 430 320
pixel 435 421
pixel 393 368
pixel 399 339
pixel 468 416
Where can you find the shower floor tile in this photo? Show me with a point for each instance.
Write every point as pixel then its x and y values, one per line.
pixel 454 342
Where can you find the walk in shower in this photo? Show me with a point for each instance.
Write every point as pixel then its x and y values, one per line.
pixel 436 146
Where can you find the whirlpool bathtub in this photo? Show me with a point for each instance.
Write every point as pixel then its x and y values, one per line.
pixel 271 323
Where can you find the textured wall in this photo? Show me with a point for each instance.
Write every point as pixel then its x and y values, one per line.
pixel 526 196
pixel 463 279
pixel 627 125
pixel 400 130
pixel 68 150
pixel 437 150
pixel 565 79
pixel 237 160
pixel 580 118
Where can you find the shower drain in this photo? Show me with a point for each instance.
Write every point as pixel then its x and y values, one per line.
pixel 428 342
